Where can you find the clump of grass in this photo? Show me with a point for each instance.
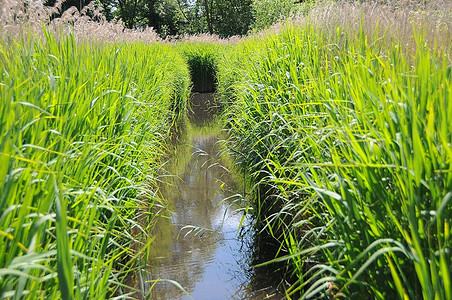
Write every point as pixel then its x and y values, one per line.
pixel 348 145
pixel 82 129
pixel 202 59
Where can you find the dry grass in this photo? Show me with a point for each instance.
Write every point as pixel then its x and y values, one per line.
pixel 205 38
pixel 18 18
pixel 384 22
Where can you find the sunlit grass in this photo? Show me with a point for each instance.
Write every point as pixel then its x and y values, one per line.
pixel 82 127
pixel 342 127
pixel 349 148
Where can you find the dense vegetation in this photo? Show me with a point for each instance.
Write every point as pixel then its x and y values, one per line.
pixel 178 17
pixel 173 17
pixel 82 130
pixel 339 120
pixel 346 137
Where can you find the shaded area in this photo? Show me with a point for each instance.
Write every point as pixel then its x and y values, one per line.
pixel 203 108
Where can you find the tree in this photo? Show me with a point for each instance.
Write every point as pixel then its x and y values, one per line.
pixel 222 17
pixel 233 17
pixel 268 12
pixel 128 11
pixel 175 17
pixel 208 13
pixel 79 4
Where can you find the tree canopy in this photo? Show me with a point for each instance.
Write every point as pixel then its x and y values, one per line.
pixel 177 17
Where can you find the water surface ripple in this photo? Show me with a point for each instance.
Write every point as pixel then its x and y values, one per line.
pixel 199 245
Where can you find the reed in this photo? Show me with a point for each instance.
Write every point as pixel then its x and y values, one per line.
pixel 202 58
pixel 82 129
pixel 347 141
pixel 339 119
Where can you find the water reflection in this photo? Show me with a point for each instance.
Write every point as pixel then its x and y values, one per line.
pixel 193 246
pixel 203 106
pixel 197 244
pixel 196 241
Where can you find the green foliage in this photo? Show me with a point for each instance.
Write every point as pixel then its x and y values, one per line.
pixel 268 12
pixel 232 17
pixel 177 17
pixel 202 60
pixel 82 129
pixel 345 137
pixel 348 145
pixel 167 18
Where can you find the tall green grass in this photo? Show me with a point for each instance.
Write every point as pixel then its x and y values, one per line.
pixel 82 129
pixel 347 140
pixel 202 59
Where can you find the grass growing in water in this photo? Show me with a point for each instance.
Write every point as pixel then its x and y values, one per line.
pixel 82 129
pixel 202 60
pixel 348 143
pixel 344 132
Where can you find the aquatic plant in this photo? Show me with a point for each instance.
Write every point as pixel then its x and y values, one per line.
pixel 344 132
pixel 82 129
pixel 202 59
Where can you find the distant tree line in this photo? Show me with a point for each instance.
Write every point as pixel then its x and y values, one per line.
pixel 175 17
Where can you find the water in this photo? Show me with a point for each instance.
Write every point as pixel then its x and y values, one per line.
pixel 200 244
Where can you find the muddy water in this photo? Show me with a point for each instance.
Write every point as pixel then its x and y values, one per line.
pixel 199 242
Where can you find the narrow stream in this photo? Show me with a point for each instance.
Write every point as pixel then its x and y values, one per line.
pixel 200 245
